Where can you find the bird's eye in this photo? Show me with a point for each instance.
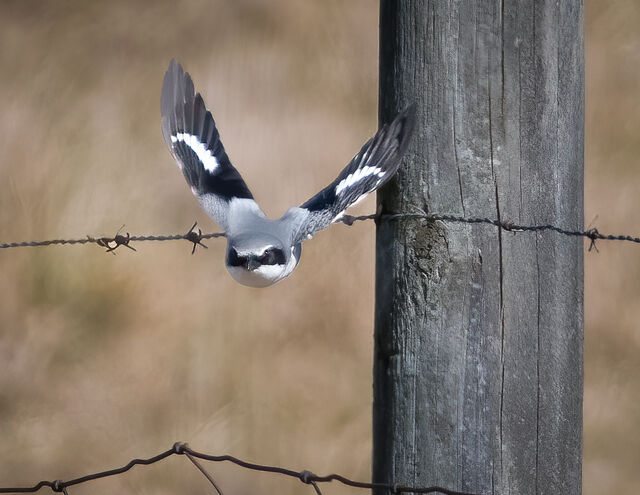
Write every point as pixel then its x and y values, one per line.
pixel 233 259
pixel 272 256
pixel 267 258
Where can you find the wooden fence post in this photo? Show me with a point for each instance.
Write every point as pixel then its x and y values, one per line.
pixel 478 332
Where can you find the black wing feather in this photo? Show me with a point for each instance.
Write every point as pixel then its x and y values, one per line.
pixel 189 129
pixel 375 163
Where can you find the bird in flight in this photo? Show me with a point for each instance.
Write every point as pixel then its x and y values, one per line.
pixel 261 251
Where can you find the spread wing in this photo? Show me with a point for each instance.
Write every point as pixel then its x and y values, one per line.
pixel 194 141
pixel 375 164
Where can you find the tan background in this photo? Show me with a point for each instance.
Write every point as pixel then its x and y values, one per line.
pixel 104 358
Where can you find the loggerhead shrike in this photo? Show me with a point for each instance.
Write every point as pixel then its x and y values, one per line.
pixel 261 251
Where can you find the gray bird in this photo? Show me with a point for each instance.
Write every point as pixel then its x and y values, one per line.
pixel 261 251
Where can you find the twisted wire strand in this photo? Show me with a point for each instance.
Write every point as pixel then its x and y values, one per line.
pixel 196 236
pixel 181 448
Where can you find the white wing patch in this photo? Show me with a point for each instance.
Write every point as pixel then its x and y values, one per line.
pixel 206 157
pixel 335 219
pixel 341 214
pixel 357 176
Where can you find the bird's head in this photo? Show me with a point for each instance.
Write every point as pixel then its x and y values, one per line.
pixel 260 260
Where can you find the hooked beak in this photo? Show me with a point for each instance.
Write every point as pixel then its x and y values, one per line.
pixel 252 264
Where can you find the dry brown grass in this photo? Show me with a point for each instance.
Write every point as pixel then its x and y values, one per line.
pixel 103 358
pixel 612 278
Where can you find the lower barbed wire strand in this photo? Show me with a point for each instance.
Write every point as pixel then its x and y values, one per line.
pixel 181 448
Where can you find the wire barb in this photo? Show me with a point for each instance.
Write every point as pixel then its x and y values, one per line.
pixel 195 237
pixel 117 240
pixel 204 472
pixel 120 240
pixel 315 487
pixel 593 234
pixel 308 478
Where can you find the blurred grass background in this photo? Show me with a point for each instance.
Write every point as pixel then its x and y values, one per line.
pixel 104 358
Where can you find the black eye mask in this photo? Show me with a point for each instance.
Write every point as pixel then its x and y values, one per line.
pixel 272 256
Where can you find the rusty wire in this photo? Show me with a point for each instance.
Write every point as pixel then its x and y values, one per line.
pixel 181 448
pixel 195 236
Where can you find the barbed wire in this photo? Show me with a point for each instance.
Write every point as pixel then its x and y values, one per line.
pixel 181 448
pixel 112 243
pixel 195 236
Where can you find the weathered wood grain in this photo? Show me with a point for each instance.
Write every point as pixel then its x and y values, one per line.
pixel 478 332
